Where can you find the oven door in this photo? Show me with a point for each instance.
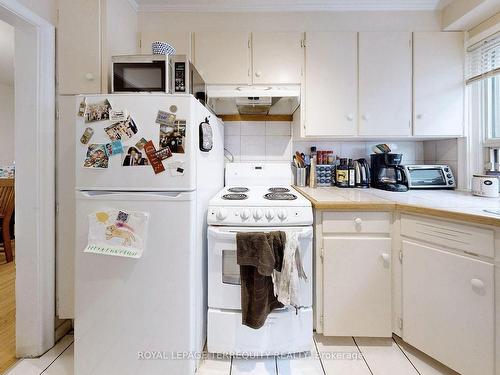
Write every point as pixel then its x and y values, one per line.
pixel 421 177
pixel 224 272
pixel 140 76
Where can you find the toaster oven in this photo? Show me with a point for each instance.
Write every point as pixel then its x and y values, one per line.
pixel 429 177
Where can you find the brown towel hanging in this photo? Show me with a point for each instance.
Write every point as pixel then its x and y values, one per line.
pixel 258 254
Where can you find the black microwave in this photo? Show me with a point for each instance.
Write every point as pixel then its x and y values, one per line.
pixel 171 74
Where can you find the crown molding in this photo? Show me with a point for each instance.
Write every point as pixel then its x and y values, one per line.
pixel 134 4
pixel 292 6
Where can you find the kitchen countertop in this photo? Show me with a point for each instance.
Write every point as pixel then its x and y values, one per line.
pixel 449 204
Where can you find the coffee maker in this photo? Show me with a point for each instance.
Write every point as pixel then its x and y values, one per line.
pixel 388 173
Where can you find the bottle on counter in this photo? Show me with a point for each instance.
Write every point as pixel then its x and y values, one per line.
pixel 352 174
pixel 342 173
pixel 312 173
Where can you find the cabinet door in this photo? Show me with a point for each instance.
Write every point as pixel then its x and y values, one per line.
pixel 385 83
pixel 79 47
pixel 223 57
pixel 438 83
pixel 277 58
pixel 448 307
pixel 357 287
pixel 331 84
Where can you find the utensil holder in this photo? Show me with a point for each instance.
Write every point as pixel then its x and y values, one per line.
pixel 300 176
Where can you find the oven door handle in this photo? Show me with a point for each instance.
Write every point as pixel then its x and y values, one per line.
pixel 219 234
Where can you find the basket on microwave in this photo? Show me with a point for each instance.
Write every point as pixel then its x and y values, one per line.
pixel 162 48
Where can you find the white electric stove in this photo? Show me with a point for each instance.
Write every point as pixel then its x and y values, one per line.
pixel 257 197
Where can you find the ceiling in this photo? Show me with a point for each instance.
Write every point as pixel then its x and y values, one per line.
pixel 288 5
pixel 7 55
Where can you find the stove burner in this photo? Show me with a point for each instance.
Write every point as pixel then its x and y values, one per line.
pixel 280 196
pixel 279 190
pixel 238 190
pixel 235 197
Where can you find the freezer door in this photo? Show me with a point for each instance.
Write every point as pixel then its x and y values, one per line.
pixel 127 308
pixel 179 174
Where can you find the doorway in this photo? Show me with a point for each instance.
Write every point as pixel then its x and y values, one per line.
pixel 32 240
pixel 7 207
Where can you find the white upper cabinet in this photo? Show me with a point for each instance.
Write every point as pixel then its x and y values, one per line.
pixel 277 57
pixel 329 105
pixel 438 83
pixel 385 83
pixel 223 57
pixel 79 47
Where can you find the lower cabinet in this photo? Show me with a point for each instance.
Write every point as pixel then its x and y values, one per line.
pixel 357 286
pixel 448 307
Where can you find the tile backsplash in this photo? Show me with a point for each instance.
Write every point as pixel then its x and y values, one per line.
pixel 272 141
pixel 413 152
pixel 258 140
pixel 443 152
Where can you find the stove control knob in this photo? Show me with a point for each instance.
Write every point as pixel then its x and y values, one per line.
pixel 221 214
pixel 245 214
pixel 282 215
pixel 270 214
pixel 257 214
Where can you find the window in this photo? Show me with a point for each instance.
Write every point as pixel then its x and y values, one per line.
pixel 491 108
pixel 483 79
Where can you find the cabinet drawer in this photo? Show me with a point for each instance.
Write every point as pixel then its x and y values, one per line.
pixel 462 237
pixel 356 222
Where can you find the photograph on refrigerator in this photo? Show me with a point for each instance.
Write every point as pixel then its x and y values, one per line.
pixel 97 156
pixel 97 111
pixel 122 130
pixel 173 136
pixel 165 118
pixel 134 158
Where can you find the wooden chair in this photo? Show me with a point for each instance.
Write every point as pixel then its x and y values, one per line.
pixel 6 211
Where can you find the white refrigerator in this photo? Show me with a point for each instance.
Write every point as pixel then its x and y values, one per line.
pixel 144 315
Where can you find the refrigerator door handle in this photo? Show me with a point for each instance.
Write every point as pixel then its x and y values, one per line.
pixel 134 196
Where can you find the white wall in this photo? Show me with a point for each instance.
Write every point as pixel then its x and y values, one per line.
pixel 44 8
pixel 292 21
pixel 6 94
pixel 6 124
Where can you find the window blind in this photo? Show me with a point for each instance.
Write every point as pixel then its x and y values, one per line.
pixel 483 59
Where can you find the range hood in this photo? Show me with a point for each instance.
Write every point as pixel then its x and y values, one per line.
pixel 253 100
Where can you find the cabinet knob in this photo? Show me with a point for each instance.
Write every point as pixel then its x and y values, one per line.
pixel 420 116
pixel 386 258
pixel 350 117
pixel 89 77
pixel 477 285
pixel 258 73
pixel 365 117
pixel 358 221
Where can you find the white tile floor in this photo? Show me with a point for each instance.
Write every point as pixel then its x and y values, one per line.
pixel 330 356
